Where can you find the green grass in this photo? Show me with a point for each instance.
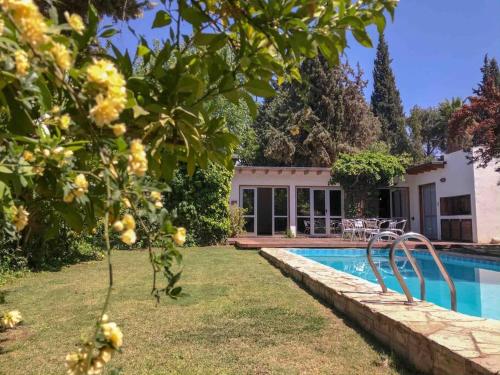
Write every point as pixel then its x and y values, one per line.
pixel 241 316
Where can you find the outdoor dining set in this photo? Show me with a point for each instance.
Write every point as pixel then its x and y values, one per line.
pixel 365 229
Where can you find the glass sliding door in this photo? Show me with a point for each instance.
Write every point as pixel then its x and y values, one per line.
pixel 248 201
pixel 304 211
pixel 319 211
pixel 280 210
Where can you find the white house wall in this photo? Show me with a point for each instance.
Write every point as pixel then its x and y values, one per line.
pixel 487 202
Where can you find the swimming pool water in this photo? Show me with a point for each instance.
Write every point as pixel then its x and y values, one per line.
pixel 477 281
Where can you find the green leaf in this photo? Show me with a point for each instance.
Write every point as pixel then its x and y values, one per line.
pixel 260 88
pixel 352 21
pixel 142 50
pixel 70 215
pixel 363 38
pixel 162 18
pixel 193 15
pixel 19 119
pixel 108 33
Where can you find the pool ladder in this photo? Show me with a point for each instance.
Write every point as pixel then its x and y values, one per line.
pixel 400 241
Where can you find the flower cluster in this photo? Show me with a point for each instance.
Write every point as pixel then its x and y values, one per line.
pixel 11 319
pixel 179 236
pixel 110 340
pixel 61 56
pixel 113 97
pixel 157 199
pixel 29 20
pixel 76 22
pixel 20 217
pixel 22 64
pixel 80 188
pixel 137 161
pixel 127 227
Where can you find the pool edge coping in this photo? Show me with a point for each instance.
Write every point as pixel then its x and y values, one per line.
pixel 448 342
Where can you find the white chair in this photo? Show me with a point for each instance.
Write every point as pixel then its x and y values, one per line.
pixel 359 229
pixel 347 228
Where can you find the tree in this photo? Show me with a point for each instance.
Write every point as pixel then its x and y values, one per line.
pixel 491 71
pixel 477 124
pixel 117 9
pixel 386 101
pixel 429 128
pixel 363 172
pixel 309 124
pixel 86 134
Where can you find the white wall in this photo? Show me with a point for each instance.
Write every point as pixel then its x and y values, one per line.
pixel 487 202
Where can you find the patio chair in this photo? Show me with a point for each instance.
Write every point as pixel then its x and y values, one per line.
pixel 372 227
pixel 347 228
pixel 307 227
pixel 397 227
pixel 359 229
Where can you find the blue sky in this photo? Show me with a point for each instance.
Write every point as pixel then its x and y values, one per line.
pixel 437 47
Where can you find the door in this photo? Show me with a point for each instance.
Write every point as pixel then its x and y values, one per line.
pixel 319 212
pixel 264 211
pixel 428 211
pixel 248 201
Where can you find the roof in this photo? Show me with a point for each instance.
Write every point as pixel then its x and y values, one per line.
pixel 292 170
pixel 426 167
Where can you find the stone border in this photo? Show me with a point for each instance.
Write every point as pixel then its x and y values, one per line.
pixel 433 339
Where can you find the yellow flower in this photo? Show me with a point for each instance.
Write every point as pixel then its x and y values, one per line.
pixel 180 236
pixel 82 185
pixel 64 121
pixel 28 156
pixel 68 198
pixel 2 26
pixel 101 72
pixel 118 226
pixel 126 202
pixel 128 221
pixel 113 334
pixel 77 363
pixel 28 20
pixel 158 204
pixel 11 319
pixel 129 237
pixel 156 195
pixel 20 217
pixel 105 354
pixel 22 63
pixel 61 56
pixel 68 154
pixel 119 129
pixel 137 161
pixel 295 131
pixel 106 110
pixel 76 22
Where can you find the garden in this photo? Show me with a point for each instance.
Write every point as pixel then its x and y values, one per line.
pixel 117 163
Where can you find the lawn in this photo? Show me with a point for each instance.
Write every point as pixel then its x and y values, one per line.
pixel 241 315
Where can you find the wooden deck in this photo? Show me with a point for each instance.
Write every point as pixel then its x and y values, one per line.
pixel 335 243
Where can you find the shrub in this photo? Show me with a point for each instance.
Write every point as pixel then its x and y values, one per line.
pixel 236 220
pixel 201 204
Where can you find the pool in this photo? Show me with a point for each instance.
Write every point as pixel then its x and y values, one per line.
pixel 477 281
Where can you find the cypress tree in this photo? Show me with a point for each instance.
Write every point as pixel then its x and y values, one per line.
pixel 386 101
pixel 490 70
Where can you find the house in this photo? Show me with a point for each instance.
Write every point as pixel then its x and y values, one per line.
pixel 446 199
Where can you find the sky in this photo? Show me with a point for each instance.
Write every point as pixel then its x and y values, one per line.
pixel 437 47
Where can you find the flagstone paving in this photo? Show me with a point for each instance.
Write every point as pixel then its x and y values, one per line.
pixel 433 339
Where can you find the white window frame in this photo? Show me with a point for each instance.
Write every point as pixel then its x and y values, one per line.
pixel 327 216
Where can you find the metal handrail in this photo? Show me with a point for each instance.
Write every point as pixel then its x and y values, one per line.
pixel 394 267
pixel 369 256
pixel 430 247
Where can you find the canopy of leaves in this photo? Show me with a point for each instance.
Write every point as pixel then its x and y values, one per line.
pixel 310 123
pixel 477 123
pixel 491 71
pixel 367 169
pixel 117 9
pixel 386 101
pixel 429 128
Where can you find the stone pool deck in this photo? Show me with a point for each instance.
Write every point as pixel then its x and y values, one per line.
pixel 431 338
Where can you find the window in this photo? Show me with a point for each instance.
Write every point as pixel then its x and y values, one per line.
pixel 458 205
pixel 304 211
